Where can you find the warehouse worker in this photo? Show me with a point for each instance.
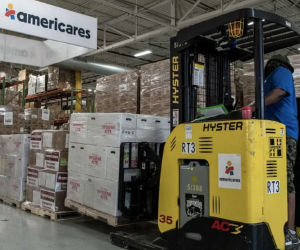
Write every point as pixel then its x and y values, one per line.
pixel 281 106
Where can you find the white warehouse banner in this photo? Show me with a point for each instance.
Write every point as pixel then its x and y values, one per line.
pixel 49 22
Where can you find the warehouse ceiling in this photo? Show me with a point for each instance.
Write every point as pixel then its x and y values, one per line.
pixel 126 27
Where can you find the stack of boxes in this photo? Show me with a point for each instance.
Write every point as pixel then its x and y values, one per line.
pixel 41 84
pixel 47 173
pixel 94 154
pixel 118 93
pixel 39 118
pixel 11 119
pixel 14 152
pixel 155 89
pixel 60 78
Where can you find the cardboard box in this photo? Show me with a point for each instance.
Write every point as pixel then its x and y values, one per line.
pixel 106 197
pixel 16 188
pixel 78 128
pixel 55 181
pixel 112 163
pixel 41 83
pixel 37 158
pixel 33 176
pixel 15 166
pixel 75 190
pixel 56 160
pixel 95 161
pixel 89 187
pixel 53 201
pixel 3 186
pixel 111 129
pixel 77 157
pixel 54 139
pixel 18 144
pixel 33 194
pixel 36 140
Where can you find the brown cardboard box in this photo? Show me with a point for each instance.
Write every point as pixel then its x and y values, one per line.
pixel 53 201
pixel 33 194
pixel 33 105
pixel 33 176
pixel 56 160
pixel 55 139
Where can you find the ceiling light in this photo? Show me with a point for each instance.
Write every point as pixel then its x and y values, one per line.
pixel 143 53
pixel 299 49
pixel 90 90
pixel 251 23
pixel 263 20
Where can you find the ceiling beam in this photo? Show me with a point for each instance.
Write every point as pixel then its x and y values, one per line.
pixel 189 11
pixel 185 23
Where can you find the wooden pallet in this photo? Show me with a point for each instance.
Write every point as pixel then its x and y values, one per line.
pixel 11 202
pixel 97 215
pixel 54 216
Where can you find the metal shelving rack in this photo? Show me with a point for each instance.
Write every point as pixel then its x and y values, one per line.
pixel 4 85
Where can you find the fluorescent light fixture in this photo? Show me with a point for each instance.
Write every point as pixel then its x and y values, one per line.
pixel 143 53
pixel 263 20
pixel 251 23
pixel 90 90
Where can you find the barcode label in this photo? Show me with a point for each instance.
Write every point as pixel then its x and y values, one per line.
pixel 45 115
pixel 175 117
pixel 8 118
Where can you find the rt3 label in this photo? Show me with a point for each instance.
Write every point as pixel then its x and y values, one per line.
pixel 188 148
pixel 273 187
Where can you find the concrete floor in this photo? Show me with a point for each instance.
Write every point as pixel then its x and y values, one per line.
pixel 21 230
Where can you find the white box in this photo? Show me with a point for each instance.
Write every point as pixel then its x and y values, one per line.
pixel 3 186
pixel 106 197
pixel 75 191
pixel 4 141
pixel 42 178
pixel 15 166
pixel 148 122
pixel 89 187
pixel 78 128
pixel 56 181
pixel 166 124
pixel 36 197
pixel 95 161
pixel 33 177
pixel 2 167
pixel 19 144
pixel 146 135
pixel 36 139
pixel 112 163
pixel 16 189
pixel 111 129
pixel 77 157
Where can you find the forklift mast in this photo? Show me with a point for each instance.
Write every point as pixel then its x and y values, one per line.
pixel 202 55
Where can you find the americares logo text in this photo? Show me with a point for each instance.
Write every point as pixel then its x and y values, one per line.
pixel 46 23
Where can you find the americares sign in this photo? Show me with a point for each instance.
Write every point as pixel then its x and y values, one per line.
pixel 46 21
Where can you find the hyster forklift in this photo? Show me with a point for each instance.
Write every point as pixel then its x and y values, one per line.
pixel 223 180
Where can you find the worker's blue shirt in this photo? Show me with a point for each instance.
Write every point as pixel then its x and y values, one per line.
pixel 285 110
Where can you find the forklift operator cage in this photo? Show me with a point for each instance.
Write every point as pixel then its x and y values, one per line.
pixel 201 57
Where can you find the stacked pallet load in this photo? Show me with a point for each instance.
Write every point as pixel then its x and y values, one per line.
pixel 118 93
pixel 155 89
pixel 60 78
pixel 47 172
pixel 95 151
pixel 14 157
pixel 295 62
pixel 39 118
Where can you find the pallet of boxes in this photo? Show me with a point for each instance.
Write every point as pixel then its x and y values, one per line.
pixel 14 154
pixel 94 159
pixel 47 176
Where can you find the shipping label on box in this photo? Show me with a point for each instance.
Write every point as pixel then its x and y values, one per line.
pixel 33 177
pixel 56 160
pixel 47 140
pixel 8 118
pixel 36 140
pixel 40 158
pixel 45 114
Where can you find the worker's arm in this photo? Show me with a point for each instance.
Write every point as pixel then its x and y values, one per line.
pixel 274 96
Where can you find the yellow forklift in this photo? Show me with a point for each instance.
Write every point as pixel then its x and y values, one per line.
pixel 223 182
